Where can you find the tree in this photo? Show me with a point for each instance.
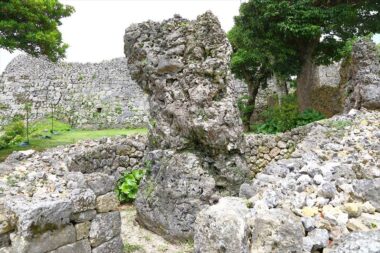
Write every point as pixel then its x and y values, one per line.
pixel 32 26
pixel 296 36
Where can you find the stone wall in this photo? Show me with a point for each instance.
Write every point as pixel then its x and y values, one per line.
pixel 352 83
pixel 361 84
pixel 63 200
pixel 261 149
pixel 67 192
pixel 89 95
pixel 326 96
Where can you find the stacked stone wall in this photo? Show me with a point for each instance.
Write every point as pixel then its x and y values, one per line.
pixel 65 196
pixel 56 202
pixel 89 95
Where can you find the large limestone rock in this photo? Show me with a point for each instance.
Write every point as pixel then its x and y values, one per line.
pixel 362 87
pixel 194 128
pixel 276 230
pixel 223 227
pixel 359 242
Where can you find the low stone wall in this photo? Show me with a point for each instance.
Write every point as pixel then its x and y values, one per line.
pixel 63 200
pixel 261 149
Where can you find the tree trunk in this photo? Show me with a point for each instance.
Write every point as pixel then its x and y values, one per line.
pixel 281 88
pixel 253 90
pixel 308 76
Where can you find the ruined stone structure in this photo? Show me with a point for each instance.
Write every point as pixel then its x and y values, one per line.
pixel 353 83
pixel 361 85
pixel 324 197
pixel 195 132
pixel 90 95
pixel 63 200
pixel 322 173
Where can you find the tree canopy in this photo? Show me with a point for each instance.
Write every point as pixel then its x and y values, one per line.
pixel 32 26
pixel 291 37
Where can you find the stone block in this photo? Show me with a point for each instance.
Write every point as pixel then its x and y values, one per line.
pixel 222 227
pixel 82 246
pixel 104 227
pixel 37 216
pixel 83 216
pixel 107 202
pixel 100 183
pixel 45 242
pixel 83 200
pixel 114 245
pixel 82 230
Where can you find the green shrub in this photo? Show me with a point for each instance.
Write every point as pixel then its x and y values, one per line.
pixel 285 117
pixel 127 186
pixel 13 134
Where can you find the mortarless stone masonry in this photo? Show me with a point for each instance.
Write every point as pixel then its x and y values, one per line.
pixel 88 95
pixel 63 200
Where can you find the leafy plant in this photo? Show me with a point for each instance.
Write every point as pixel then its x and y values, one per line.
pixel 308 116
pixel 32 26
pixel 13 134
pixel 281 118
pixel 127 186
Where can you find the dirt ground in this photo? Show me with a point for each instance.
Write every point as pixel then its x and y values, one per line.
pixel 139 240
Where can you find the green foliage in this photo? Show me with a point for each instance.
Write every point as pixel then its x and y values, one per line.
pixel 281 29
pixel 127 186
pixel 39 142
pixel 244 108
pixel 13 134
pixel 285 117
pixel 378 49
pixel 32 26
pixel 280 37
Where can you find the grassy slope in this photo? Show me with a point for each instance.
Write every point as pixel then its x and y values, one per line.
pixel 69 137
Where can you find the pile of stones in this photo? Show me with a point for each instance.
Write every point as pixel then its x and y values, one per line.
pixel 326 195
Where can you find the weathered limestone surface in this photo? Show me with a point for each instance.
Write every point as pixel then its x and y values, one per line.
pixel 223 226
pixel 362 83
pixel 353 83
pixel 88 95
pixel 325 191
pixel 195 129
pixel 358 242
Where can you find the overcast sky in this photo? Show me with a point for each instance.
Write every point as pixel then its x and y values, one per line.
pixel 95 31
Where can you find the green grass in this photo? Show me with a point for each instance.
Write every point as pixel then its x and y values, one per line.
pixel 66 137
pixel 129 248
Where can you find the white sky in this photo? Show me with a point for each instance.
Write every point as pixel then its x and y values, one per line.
pixel 95 31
